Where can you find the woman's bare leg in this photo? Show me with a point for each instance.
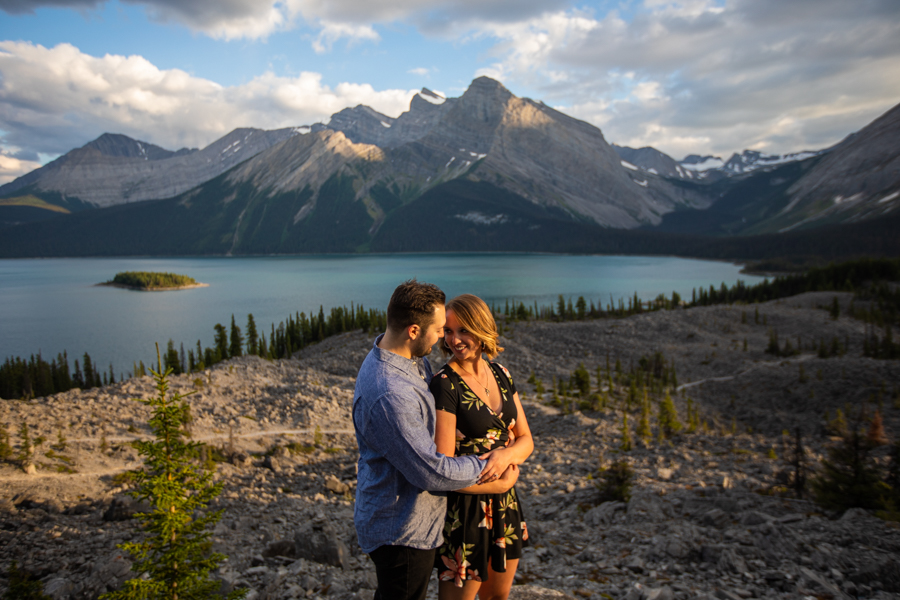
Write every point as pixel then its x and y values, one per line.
pixel 498 584
pixel 447 590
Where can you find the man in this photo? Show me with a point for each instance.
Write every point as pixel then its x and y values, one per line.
pixel 400 504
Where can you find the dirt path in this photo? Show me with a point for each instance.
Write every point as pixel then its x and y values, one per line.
pixel 224 436
pixel 762 365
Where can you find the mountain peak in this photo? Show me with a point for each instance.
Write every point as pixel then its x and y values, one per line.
pixel 486 86
pixel 119 145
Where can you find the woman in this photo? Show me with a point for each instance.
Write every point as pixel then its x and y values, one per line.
pixel 478 412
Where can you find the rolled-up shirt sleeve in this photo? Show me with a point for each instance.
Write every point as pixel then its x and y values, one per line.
pixel 400 435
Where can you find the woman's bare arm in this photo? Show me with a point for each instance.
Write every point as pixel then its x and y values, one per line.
pixel 518 451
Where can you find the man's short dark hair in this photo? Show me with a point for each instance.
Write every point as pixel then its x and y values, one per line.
pixel 413 303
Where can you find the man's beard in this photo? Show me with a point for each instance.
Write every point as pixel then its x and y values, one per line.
pixel 419 348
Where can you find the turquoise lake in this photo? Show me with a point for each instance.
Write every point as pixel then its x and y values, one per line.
pixel 51 305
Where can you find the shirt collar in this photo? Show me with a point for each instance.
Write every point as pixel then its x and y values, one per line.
pixel 411 366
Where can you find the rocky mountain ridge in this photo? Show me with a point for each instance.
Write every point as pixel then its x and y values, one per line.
pixel 519 145
pixel 695 167
pixel 525 147
pixel 115 169
pixel 502 167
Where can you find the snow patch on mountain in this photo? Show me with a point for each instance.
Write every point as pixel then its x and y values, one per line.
pixel 702 163
pixel 431 97
pixel 482 219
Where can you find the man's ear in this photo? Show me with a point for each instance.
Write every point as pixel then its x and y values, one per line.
pixel 413 331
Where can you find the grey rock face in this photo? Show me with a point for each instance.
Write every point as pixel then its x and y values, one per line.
pixel 859 178
pixel 59 588
pixel 123 509
pixel 319 542
pixel 361 125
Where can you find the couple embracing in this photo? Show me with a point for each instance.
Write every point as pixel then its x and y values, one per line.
pixel 439 453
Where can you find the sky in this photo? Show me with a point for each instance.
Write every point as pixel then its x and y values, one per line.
pixel 686 77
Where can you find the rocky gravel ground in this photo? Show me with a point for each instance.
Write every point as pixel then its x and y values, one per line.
pixel 706 517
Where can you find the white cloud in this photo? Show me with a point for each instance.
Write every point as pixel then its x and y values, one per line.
pixel 331 19
pixel 420 71
pixel 724 76
pixel 56 99
pixel 11 167
pixel 332 32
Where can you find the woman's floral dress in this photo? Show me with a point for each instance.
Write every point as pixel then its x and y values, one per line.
pixel 478 527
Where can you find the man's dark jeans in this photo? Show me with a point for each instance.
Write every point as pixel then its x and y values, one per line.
pixel 402 572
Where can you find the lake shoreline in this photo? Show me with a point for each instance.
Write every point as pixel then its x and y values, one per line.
pixel 155 289
pixel 52 305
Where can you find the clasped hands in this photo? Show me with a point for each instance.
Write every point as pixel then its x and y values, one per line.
pixel 499 467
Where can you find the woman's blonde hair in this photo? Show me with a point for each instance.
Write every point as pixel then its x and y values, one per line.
pixel 475 316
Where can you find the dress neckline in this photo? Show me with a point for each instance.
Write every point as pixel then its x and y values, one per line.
pixel 482 400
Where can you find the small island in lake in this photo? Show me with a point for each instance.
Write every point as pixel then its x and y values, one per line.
pixel 153 282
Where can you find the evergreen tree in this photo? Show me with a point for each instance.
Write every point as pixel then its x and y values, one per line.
pixel 63 379
pixel 643 431
pixel 693 417
pixel 171 359
pixel 626 443
pixel 26 448
pixel 221 341
pixel 669 424
pixel 615 482
pixel 580 308
pixel 581 380
pixel 252 336
pixel 90 378
pixel 78 378
pixel 6 449
pixel 850 477
pixel 237 340
pixel 22 585
pixel 173 561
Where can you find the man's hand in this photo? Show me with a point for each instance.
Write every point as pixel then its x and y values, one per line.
pixel 497 462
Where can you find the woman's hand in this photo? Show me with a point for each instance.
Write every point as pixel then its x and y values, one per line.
pixel 498 485
pixel 509 478
pixel 498 460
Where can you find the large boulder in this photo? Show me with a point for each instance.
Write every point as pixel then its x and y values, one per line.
pixel 124 508
pixel 319 542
